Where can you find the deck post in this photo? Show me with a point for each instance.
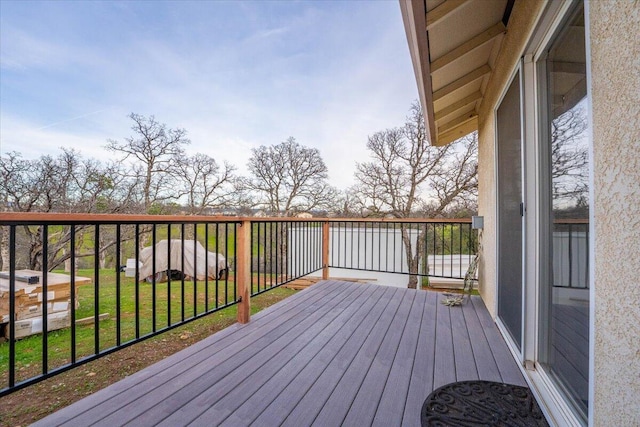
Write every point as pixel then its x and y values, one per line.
pixel 325 250
pixel 243 271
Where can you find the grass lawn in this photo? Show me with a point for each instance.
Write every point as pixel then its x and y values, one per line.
pixel 36 401
pixel 144 308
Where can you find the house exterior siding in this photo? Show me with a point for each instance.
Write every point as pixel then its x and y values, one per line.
pixel 615 104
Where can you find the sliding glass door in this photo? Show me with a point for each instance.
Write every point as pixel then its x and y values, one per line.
pixel 564 309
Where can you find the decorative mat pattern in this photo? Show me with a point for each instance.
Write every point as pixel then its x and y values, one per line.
pixel 481 403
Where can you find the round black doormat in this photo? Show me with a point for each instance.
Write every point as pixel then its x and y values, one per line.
pixel 481 403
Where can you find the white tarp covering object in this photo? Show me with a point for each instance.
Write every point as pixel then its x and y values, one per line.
pixel 169 257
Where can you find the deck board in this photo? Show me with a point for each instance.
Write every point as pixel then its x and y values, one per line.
pixel 295 377
pixel 331 364
pixel 293 356
pixel 117 395
pixel 509 371
pixel 485 362
pixel 219 400
pixel 421 383
pixel 338 353
pixel 444 367
pixel 395 391
pixel 365 404
pixel 193 393
pixel 462 348
pixel 351 375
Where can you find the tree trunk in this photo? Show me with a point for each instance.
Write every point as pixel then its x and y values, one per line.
pixel 67 262
pixel 4 249
pixel 103 259
pixel 422 241
pixel 145 236
pixel 282 257
pixel 413 260
pixel 35 248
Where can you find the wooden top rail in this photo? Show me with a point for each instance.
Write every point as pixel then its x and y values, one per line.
pixel 84 218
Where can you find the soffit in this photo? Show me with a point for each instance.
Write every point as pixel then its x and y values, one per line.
pixel 462 40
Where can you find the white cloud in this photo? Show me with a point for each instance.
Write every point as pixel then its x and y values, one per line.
pixel 329 74
pixel 32 142
pixel 265 34
pixel 20 50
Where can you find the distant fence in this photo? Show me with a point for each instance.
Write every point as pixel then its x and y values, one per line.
pixel 446 246
pixel 283 251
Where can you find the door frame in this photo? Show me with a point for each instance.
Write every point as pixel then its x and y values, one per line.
pixel 517 351
pixel 553 402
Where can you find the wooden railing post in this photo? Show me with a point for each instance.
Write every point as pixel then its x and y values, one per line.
pixel 243 271
pixel 325 250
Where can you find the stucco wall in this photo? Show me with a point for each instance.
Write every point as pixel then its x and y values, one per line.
pixel 615 92
pixel 522 17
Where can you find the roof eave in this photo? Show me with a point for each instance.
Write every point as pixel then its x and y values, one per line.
pixel 414 18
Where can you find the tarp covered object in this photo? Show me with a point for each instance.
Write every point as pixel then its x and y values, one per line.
pixel 169 257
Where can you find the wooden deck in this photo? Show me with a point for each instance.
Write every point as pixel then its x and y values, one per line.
pixel 337 353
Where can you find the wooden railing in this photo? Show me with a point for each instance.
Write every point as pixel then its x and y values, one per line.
pixel 221 261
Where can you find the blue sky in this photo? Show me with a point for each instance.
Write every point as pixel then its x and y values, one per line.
pixel 235 75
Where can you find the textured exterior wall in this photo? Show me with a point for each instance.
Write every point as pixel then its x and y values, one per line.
pixel 522 17
pixel 487 273
pixel 615 91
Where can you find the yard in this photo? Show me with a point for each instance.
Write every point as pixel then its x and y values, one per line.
pixel 34 402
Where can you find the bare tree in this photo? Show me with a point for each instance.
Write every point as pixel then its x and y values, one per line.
pixel 455 188
pixel 289 178
pixel 21 189
pixel 391 183
pixel 205 184
pixel 348 204
pixel 65 183
pixel 155 151
pixel 406 174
